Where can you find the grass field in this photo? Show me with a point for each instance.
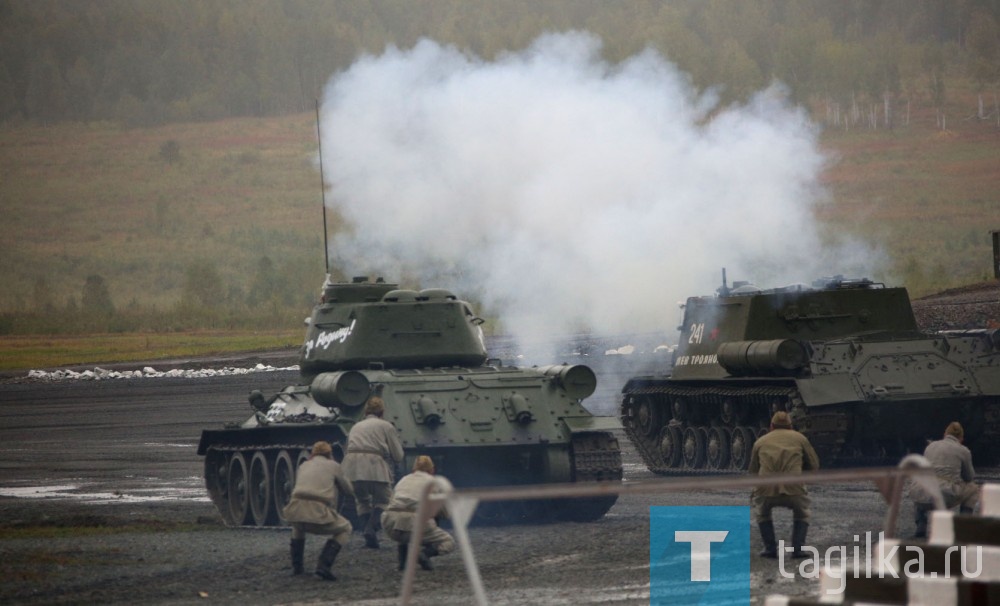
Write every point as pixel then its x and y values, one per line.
pixel 24 352
pixel 141 207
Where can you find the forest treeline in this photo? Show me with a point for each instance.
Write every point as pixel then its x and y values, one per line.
pixel 148 62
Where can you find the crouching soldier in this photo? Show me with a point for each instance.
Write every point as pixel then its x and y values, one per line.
pixel 399 518
pixel 956 476
pixel 313 509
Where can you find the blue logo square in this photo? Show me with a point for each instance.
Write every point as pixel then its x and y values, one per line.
pixel 699 555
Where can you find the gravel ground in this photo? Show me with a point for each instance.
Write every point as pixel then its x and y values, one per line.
pixel 179 553
pixel 131 522
pixel 973 306
pixel 127 520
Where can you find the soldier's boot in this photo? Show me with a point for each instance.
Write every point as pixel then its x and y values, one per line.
pixel 297 547
pixel 362 521
pixel 371 529
pixel 799 530
pixel 424 559
pixel 920 520
pixel 767 536
pixel 401 550
pixel 326 560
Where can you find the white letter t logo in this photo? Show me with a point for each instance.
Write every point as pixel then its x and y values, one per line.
pixel 701 550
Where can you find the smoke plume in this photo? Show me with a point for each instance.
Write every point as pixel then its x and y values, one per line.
pixel 565 193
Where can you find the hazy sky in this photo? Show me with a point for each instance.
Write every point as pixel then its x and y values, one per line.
pixel 564 192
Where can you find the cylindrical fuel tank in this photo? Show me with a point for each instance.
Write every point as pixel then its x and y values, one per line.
pixel 776 356
pixel 347 388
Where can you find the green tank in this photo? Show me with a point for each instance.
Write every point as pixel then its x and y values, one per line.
pixel 844 357
pixel 483 423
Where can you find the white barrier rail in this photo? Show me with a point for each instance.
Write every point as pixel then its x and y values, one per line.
pixel 461 504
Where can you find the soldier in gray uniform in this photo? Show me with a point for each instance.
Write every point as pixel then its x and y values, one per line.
pixel 399 518
pixel 313 509
pixel 373 450
pixel 782 450
pixel 952 464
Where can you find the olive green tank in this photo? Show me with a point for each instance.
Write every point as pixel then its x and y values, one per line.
pixel 483 423
pixel 844 357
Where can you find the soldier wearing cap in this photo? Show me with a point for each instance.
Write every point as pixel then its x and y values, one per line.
pixel 399 518
pixel 782 450
pixel 952 463
pixel 373 451
pixel 313 509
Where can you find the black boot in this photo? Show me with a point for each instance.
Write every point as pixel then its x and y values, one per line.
pixel 298 549
pixel 799 530
pixel 371 529
pixel 767 535
pixel 920 519
pixel 363 521
pixel 401 550
pixel 428 552
pixel 326 559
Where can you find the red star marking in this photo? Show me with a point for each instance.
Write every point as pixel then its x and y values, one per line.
pixel 714 334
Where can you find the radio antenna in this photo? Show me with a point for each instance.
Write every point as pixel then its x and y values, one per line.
pixel 322 182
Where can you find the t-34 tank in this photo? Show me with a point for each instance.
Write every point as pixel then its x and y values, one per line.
pixel 844 357
pixel 484 424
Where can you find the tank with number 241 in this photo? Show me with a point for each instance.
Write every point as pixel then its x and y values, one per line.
pixel 844 357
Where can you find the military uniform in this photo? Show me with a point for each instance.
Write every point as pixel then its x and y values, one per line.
pixel 780 451
pixel 952 464
pixel 399 520
pixel 371 445
pixel 313 509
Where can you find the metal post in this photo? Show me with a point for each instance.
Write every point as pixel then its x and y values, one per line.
pixel 996 253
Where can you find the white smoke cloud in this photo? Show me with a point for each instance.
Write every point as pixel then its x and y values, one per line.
pixel 565 192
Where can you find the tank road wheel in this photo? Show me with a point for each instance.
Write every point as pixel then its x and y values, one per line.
pixel 728 412
pixel 680 410
pixel 718 448
pixel 647 417
pixel 284 482
pixel 672 445
pixel 238 489
pixel 303 456
pixel 259 486
pixel 741 446
pixel 694 447
pixel 216 472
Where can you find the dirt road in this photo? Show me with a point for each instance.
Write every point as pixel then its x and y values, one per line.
pixel 101 501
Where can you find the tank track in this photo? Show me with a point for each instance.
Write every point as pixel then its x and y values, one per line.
pixel 597 457
pixel 713 430
pixel 257 493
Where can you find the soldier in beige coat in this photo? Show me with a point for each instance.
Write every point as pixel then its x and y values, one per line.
pixel 373 450
pixel 400 516
pixel 956 477
pixel 782 450
pixel 313 509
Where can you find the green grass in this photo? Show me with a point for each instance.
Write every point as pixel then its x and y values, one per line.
pixel 36 351
pixel 85 526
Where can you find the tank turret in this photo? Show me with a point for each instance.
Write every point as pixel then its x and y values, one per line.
pixel 363 324
pixel 844 357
